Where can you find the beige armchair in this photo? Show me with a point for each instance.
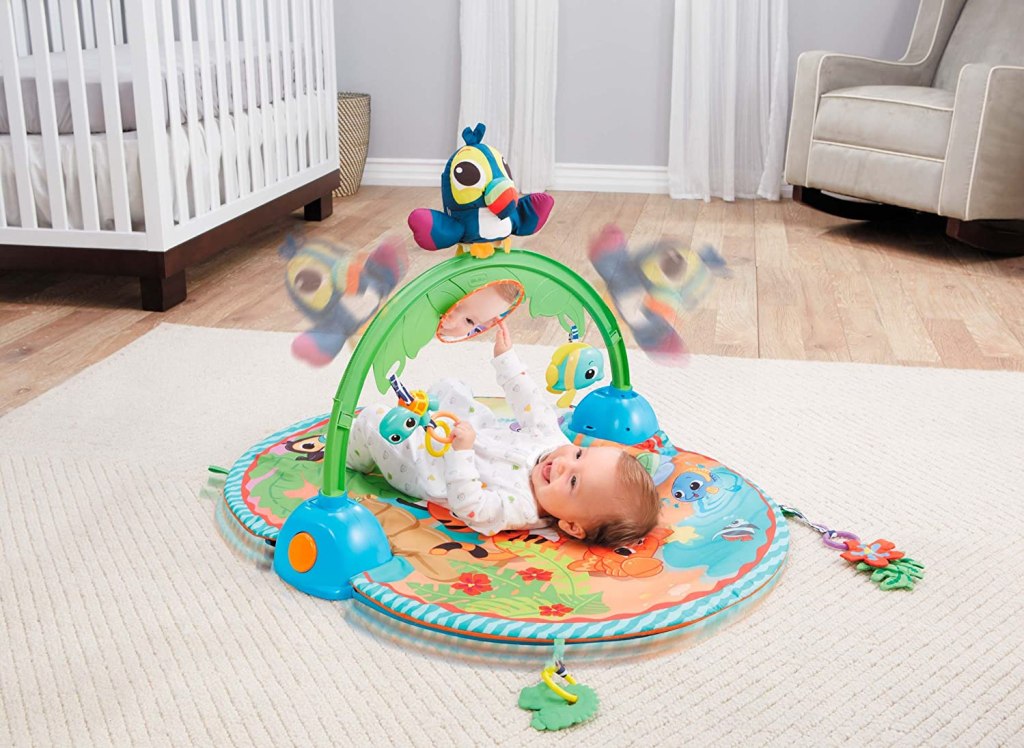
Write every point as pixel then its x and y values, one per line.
pixel 939 131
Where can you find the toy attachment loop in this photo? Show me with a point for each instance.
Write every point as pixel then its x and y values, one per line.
pixel 432 436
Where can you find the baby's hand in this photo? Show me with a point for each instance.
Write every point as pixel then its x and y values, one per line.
pixel 463 435
pixel 502 339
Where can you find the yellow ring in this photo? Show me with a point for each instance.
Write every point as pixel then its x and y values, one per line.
pixel 545 676
pixel 429 439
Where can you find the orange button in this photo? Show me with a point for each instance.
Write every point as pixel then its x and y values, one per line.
pixel 302 552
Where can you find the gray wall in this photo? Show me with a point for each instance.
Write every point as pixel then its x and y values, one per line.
pixel 614 69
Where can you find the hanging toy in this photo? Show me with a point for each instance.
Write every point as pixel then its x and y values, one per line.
pixel 556 706
pixel 417 409
pixel 482 208
pixel 574 366
pixel 890 568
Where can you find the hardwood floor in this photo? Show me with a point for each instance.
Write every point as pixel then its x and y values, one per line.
pixel 805 286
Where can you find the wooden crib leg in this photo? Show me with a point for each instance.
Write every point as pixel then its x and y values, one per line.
pixel 319 209
pixel 160 294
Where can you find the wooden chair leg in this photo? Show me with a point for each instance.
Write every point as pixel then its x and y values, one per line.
pixel 319 209
pixel 160 294
pixel 1005 237
pixel 853 209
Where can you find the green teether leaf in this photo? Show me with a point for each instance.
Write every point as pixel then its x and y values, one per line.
pixel 899 574
pixel 555 713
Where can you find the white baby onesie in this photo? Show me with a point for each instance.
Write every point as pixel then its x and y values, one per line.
pixel 487 487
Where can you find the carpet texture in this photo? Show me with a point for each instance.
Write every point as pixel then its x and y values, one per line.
pixel 126 618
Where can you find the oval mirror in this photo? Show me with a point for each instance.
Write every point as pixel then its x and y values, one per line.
pixel 480 310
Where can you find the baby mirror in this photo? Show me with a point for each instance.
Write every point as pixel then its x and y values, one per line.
pixel 480 310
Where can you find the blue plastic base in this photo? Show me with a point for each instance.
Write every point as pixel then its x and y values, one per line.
pixel 622 416
pixel 347 540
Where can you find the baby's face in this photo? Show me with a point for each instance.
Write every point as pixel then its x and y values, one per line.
pixel 473 314
pixel 577 485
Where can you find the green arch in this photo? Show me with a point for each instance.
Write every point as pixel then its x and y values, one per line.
pixel 409 319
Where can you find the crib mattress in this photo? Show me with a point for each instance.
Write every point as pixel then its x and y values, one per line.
pixel 123 66
pixel 211 137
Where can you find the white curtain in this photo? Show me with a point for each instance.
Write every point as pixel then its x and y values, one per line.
pixel 509 65
pixel 730 98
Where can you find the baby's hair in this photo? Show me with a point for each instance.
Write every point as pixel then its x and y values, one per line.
pixel 640 503
pixel 507 290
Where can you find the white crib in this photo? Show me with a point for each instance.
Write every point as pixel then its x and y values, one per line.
pixel 138 137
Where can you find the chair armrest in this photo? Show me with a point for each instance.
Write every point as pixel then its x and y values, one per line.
pixel 818 73
pixel 983 177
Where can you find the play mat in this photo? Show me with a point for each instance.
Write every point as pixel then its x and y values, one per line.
pixel 721 546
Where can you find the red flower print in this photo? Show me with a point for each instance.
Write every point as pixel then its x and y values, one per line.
pixel 535 575
pixel 473 584
pixel 557 610
pixel 877 554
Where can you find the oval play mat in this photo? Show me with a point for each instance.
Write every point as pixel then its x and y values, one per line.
pixel 721 546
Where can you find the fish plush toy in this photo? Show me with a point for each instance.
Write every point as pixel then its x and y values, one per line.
pixel 338 290
pixel 481 206
pixel 574 366
pixel 652 287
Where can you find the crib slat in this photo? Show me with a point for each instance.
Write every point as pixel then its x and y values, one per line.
pixel 191 108
pixel 209 123
pixel 106 35
pixel 80 116
pixel 227 139
pixel 52 14
pixel 170 82
pixel 332 83
pixel 305 90
pixel 235 63
pixel 16 114
pixel 263 66
pixel 324 112
pixel 312 91
pixel 118 15
pixel 48 117
pixel 88 24
pixel 280 142
pixel 252 115
pixel 23 44
pixel 288 77
pixel 154 149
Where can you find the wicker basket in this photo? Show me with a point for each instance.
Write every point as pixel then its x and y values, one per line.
pixel 353 140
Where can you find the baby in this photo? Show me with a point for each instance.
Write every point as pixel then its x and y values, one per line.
pixel 478 311
pixel 496 479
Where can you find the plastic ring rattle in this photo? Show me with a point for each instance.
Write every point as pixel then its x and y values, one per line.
pixel 433 436
pixel 545 676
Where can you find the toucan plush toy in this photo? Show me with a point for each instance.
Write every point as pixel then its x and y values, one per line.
pixel 482 208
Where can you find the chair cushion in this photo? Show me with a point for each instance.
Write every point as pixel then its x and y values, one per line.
pixel 907 120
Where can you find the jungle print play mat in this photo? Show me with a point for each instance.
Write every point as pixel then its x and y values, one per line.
pixel 721 546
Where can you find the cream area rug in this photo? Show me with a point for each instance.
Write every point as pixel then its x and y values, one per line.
pixel 128 619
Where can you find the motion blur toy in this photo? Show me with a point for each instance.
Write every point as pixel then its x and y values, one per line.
pixel 338 290
pixel 653 287
pixel 482 208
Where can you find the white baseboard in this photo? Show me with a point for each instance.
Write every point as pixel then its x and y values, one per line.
pixel 426 172
pixel 610 178
pixel 404 172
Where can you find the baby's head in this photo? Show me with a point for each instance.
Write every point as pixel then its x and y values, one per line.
pixel 600 495
pixel 477 311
